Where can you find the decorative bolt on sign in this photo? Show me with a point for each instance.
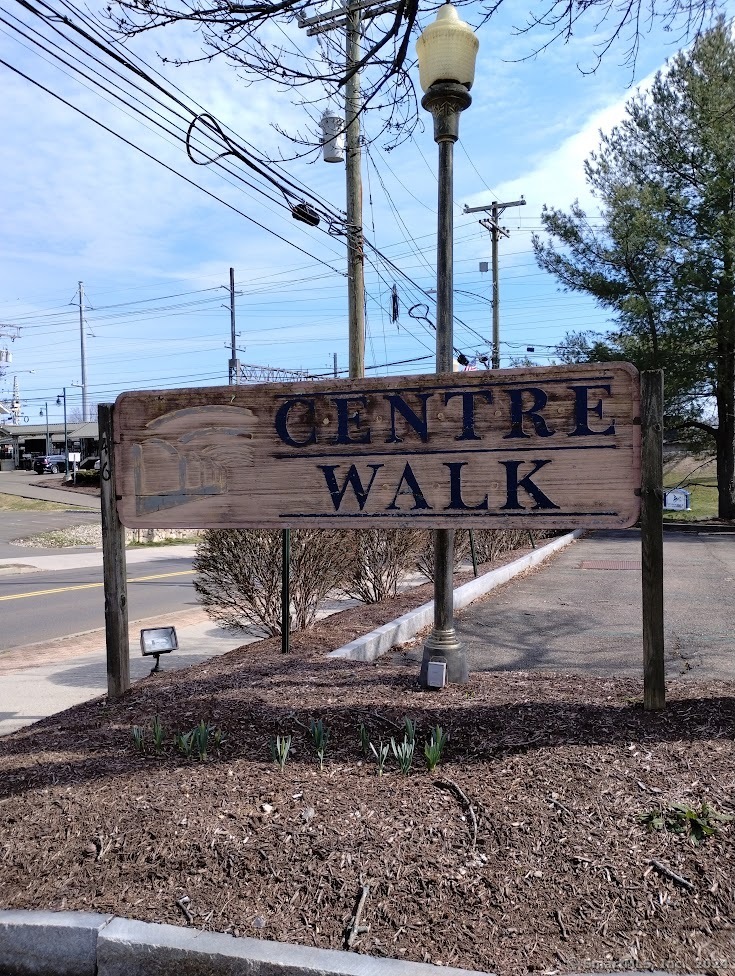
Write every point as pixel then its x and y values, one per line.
pixel 557 447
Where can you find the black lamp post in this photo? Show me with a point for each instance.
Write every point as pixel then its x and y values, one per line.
pixel 446 53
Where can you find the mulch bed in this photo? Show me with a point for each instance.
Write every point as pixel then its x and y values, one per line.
pixel 522 851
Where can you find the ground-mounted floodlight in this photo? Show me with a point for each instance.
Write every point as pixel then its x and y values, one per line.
pixel 155 641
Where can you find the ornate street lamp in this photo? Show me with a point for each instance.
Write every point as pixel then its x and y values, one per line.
pixel 446 53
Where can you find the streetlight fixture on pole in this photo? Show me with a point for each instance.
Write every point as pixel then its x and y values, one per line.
pixel 446 53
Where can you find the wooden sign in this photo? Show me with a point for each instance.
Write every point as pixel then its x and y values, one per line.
pixel 556 447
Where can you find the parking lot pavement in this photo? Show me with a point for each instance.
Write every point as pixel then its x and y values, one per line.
pixel 45 487
pixel 582 611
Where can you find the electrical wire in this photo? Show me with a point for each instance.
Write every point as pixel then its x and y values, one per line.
pixel 165 166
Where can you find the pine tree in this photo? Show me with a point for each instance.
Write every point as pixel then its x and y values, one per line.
pixel 664 260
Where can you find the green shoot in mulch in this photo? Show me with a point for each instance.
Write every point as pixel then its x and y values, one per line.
pixel 403 754
pixel 139 737
pixel 380 754
pixel 319 736
pixel 681 819
pixel 158 734
pixel 280 748
pixel 434 747
pixel 364 740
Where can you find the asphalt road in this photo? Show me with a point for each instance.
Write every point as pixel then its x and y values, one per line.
pixel 42 606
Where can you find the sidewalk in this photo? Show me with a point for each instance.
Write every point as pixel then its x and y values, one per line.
pixel 55 675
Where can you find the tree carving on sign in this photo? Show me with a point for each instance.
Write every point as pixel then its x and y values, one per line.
pixel 196 461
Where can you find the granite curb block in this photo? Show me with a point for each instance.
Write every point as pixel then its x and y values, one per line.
pixel 86 944
pixel 402 629
pixel 49 943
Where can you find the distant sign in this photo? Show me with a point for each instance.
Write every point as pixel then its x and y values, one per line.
pixel 677 500
pixel 555 447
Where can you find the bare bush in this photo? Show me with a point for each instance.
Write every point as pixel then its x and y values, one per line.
pixel 238 579
pixel 425 560
pixel 379 559
pixel 492 543
pixel 319 561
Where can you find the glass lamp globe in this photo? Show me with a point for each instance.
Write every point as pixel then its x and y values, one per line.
pixel 447 50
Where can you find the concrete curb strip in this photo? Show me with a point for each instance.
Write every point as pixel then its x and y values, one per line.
pixel 49 943
pixel 86 944
pixel 128 948
pixel 380 640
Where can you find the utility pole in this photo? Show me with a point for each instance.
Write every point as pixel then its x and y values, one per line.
pixel 353 175
pixel 351 17
pixel 234 361
pixel 496 232
pixel 66 433
pixel 48 443
pixel 335 366
pixel 6 356
pixel 85 415
pixel 15 405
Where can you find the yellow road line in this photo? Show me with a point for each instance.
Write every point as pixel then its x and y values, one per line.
pixel 91 586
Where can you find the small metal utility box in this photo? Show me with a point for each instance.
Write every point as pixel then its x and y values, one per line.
pixel 677 500
pixel 436 674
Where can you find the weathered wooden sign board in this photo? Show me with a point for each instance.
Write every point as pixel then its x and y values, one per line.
pixel 557 447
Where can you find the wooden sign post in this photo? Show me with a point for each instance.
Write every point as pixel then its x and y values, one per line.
pixel 113 562
pixel 652 538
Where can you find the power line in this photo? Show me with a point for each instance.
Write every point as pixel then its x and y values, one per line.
pixel 170 169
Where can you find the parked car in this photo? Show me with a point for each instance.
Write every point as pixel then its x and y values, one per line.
pixel 89 464
pixel 50 464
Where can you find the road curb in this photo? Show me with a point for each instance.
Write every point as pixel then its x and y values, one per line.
pixel 34 943
pixel 49 943
pixel 402 629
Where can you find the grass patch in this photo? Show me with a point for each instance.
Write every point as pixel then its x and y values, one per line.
pixel 13 503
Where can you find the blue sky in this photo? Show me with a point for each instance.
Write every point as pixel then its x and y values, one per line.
pixel 154 252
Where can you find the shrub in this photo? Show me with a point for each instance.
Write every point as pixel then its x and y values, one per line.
pixel 238 575
pixel 91 478
pixel 491 543
pixel 378 561
pixel 319 560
